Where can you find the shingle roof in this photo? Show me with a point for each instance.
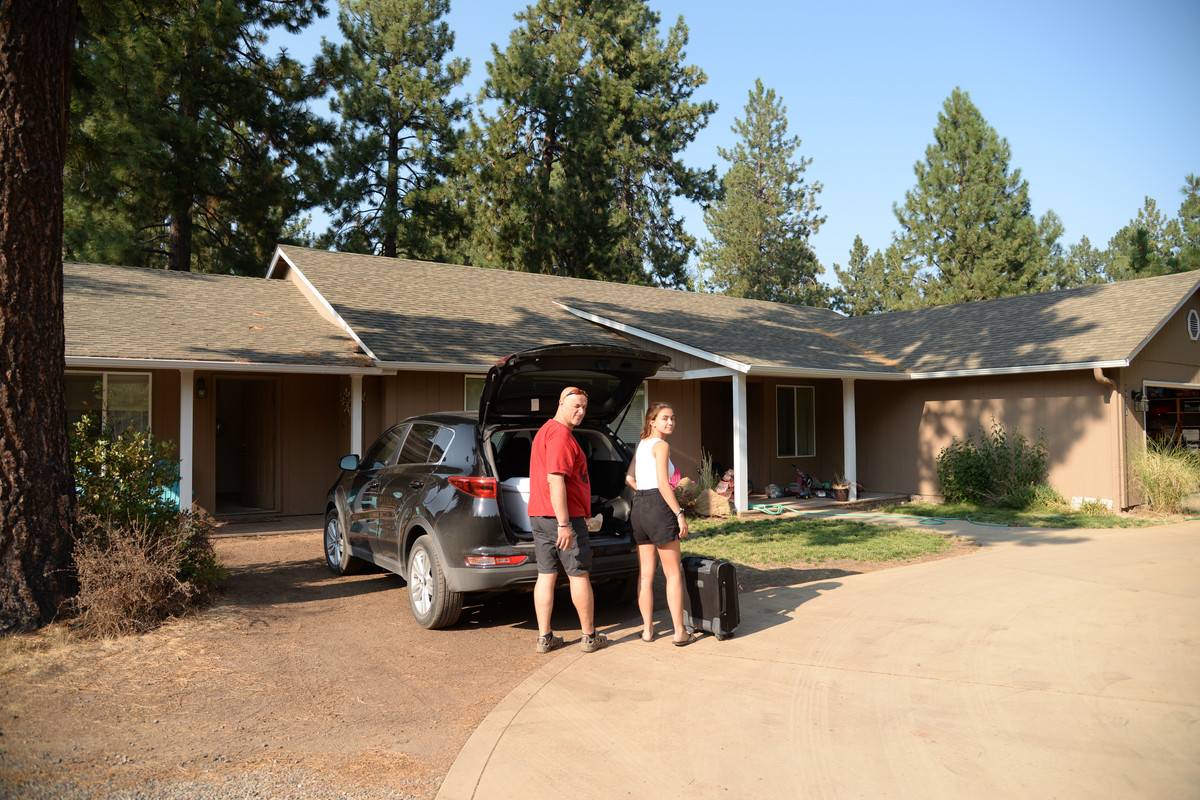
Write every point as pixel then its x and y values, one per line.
pixel 137 313
pixel 421 312
pixel 1102 323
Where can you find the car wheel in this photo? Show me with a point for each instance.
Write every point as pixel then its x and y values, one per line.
pixel 337 550
pixel 433 604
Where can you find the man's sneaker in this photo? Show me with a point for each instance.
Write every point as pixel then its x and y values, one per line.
pixel 597 641
pixel 549 642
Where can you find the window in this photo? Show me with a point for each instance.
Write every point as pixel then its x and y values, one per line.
pixel 631 427
pixel 795 422
pixel 383 452
pixel 419 443
pixel 473 388
pixel 122 399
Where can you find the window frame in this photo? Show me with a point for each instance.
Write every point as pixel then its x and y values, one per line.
pixel 104 375
pixel 796 422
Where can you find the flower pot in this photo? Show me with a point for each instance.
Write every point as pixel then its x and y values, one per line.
pixel 840 492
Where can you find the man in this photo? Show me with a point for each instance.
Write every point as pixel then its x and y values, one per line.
pixel 560 499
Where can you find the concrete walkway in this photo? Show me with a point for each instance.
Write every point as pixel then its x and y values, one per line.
pixel 1051 664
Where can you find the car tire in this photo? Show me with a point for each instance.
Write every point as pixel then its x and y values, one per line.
pixel 337 549
pixel 433 604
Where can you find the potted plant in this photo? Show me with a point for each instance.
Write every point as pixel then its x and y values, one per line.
pixel 840 487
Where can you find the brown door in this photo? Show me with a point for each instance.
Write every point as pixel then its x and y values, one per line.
pixel 258 465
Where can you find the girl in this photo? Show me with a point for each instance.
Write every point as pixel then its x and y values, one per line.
pixel 658 521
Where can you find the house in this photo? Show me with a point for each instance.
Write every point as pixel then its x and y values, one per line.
pixel 266 383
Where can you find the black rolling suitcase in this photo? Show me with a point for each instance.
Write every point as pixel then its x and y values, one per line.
pixel 710 596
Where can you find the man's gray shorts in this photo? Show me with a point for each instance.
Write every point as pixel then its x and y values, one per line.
pixel 575 561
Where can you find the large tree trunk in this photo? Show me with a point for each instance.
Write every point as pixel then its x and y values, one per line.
pixel 37 491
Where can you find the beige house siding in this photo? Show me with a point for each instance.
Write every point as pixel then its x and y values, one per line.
pixel 684 397
pixel 765 464
pixel 902 428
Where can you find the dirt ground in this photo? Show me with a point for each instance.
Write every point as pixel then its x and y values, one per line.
pixel 291 672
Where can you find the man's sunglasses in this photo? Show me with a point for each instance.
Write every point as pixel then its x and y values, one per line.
pixel 575 391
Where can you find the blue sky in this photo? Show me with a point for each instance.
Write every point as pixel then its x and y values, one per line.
pixel 1099 101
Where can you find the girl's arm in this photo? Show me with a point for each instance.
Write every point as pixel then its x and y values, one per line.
pixel 662 455
pixel 631 481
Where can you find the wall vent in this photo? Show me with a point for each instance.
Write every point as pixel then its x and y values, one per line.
pixel 1194 324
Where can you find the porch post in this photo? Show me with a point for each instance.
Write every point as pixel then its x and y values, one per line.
pixel 741 495
pixel 849 436
pixel 356 415
pixel 187 414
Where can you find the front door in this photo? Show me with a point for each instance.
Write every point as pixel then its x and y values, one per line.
pixel 246 445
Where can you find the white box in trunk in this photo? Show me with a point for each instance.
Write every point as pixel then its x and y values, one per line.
pixel 515 497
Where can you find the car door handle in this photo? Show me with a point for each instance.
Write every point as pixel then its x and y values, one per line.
pixel 372 486
pixel 416 484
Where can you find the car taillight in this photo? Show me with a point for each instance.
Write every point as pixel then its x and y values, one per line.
pixel 476 487
pixel 495 561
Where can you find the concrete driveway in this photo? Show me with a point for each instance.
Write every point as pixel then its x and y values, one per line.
pixel 1051 664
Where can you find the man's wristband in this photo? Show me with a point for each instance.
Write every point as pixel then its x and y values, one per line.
pixel 680 511
pixel 564 524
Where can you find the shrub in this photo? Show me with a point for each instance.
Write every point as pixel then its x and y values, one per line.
pixel 127 479
pixel 998 469
pixel 140 560
pixel 707 476
pixel 133 577
pixel 1166 474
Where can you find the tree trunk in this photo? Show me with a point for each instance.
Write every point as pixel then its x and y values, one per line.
pixel 37 490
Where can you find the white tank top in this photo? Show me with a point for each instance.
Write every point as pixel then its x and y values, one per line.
pixel 645 468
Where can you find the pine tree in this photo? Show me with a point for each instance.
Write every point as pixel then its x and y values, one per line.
pixel 1143 247
pixel 1187 238
pixel 876 283
pixel 392 81
pixel 762 224
pixel 1086 265
pixel 967 226
pixel 37 493
pixel 190 148
pixel 575 159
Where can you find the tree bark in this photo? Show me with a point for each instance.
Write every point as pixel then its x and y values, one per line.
pixel 37 489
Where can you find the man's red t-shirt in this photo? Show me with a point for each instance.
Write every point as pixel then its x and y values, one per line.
pixel 555 450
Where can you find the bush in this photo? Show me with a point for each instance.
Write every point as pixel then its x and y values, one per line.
pixel 127 479
pixel 133 577
pixel 1166 474
pixel 998 469
pixel 140 560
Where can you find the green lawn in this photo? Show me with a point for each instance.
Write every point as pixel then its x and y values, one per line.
pixel 794 541
pixel 1034 518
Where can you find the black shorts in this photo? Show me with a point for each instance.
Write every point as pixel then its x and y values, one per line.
pixel 575 561
pixel 652 519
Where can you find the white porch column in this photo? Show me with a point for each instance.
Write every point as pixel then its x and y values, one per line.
pixel 741 494
pixel 849 436
pixel 356 415
pixel 187 424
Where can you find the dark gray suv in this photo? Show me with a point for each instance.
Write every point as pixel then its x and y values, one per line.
pixel 440 499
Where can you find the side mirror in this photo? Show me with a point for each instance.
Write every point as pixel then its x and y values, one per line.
pixel 349 463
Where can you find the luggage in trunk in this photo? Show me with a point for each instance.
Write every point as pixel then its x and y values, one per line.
pixel 710 596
